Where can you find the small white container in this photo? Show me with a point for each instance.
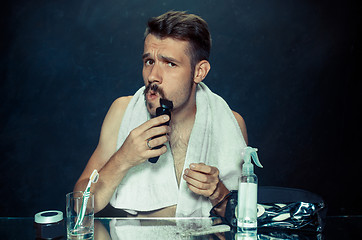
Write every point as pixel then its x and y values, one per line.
pixel 49 225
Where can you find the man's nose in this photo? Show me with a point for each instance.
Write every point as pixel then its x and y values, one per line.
pixel 155 74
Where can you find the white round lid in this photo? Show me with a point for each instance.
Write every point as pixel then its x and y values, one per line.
pixel 51 216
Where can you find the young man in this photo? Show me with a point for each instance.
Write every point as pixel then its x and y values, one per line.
pixel 198 154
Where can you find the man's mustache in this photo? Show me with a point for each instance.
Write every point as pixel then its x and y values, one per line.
pixel 155 88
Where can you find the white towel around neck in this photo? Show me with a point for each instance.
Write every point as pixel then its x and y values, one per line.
pixel 215 140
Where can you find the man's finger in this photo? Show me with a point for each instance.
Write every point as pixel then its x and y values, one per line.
pixel 201 167
pixel 155 142
pixel 206 193
pixel 197 184
pixel 155 152
pixel 154 122
pixel 199 176
pixel 156 131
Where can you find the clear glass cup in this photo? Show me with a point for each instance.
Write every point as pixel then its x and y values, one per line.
pixel 85 228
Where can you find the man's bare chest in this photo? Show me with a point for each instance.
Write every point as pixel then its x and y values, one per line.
pixel 179 146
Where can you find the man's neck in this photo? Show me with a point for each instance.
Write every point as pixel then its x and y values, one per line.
pixel 186 114
pixel 183 117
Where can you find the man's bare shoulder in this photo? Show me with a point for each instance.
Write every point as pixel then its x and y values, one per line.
pixel 113 120
pixel 242 125
pixel 118 108
pixel 121 103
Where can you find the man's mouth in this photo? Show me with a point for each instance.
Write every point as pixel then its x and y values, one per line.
pixel 152 95
pixel 153 91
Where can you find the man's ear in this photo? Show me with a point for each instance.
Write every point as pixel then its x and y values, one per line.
pixel 201 71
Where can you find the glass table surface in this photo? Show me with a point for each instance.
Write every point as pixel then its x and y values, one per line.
pixel 344 227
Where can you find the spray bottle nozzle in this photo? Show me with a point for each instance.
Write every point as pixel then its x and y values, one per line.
pixel 248 154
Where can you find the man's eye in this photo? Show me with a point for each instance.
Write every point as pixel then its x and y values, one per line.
pixel 171 64
pixel 149 62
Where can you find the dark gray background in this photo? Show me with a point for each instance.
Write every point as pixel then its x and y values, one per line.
pixel 290 68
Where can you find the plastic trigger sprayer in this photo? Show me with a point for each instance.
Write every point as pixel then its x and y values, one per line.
pixel 248 167
pixel 248 191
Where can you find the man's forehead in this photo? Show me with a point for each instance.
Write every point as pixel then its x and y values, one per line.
pixel 157 42
pixel 168 47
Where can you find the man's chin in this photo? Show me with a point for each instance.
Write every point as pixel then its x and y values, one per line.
pixel 151 108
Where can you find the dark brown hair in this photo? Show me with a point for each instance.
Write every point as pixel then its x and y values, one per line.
pixel 186 27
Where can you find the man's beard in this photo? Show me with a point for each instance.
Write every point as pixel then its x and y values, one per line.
pixel 155 89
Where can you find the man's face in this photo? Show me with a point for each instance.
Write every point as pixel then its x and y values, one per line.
pixel 167 65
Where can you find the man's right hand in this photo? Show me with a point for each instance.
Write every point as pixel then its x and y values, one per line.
pixel 135 149
pixel 113 165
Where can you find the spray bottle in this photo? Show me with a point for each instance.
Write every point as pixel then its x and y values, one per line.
pixel 247 194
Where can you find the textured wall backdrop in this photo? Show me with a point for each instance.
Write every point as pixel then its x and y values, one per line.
pixel 288 67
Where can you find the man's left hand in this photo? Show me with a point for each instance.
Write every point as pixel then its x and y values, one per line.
pixel 204 180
